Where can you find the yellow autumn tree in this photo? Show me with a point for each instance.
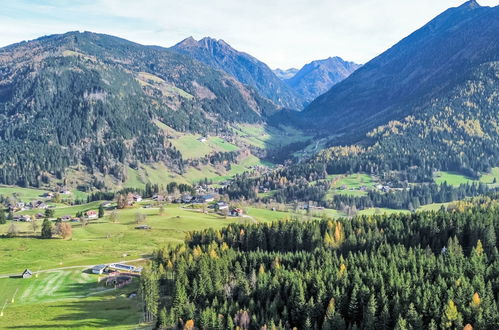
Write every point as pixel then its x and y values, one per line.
pixel 189 325
pixel 475 300
pixel 451 318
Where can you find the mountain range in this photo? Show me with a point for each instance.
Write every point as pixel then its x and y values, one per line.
pixel 244 67
pixel 317 77
pixel 97 103
pixel 435 62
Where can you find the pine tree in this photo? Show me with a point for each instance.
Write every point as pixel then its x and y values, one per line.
pixel 101 211
pixel 46 228
pixel 3 219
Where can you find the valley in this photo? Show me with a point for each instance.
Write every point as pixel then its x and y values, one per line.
pixel 192 186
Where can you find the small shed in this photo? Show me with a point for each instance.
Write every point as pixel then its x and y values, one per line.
pixel 27 273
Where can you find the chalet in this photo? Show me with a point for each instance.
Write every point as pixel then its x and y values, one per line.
pixel 26 218
pixel 158 198
pixel 221 206
pixel 66 218
pixel 204 199
pixel 91 214
pixel 186 199
pixel 27 273
pixel 133 198
pixel 237 212
pixel 99 269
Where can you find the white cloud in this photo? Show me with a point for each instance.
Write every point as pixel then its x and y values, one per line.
pixel 282 33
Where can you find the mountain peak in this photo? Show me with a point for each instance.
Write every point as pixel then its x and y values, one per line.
pixel 472 4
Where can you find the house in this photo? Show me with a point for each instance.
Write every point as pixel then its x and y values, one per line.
pixel 146 227
pixel 26 218
pixel 202 139
pixel 221 206
pixel 39 215
pixel 66 218
pixel 27 273
pixel 158 198
pixel 99 269
pixel 186 199
pixel 237 212
pixel 91 214
pixel 204 199
pixel 48 194
pixel 133 198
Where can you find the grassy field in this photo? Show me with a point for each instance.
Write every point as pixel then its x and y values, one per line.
pixel 22 193
pixel 190 147
pixel 351 184
pixel 457 179
pixel 219 174
pixel 268 137
pixel 66 299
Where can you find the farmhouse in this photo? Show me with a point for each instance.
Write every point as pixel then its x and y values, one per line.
pixel 236 212
pixel 92 214
pixel 186 199
pixel 66 218
pixel 221 206
pixel 204 199
pixel 27 273
pixel 99 269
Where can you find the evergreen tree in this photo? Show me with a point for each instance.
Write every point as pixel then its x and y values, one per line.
pixel 46 229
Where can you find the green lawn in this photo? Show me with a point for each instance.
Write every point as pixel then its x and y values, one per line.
pixel 351 183
pixel 457 179
pixel 24 194
pixel 268 137
pixel 66 299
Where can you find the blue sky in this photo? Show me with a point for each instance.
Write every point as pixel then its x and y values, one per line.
pixel 282 33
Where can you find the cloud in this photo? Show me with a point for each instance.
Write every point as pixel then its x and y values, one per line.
pixel 282 33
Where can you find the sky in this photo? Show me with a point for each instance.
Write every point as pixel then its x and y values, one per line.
pixel 281 33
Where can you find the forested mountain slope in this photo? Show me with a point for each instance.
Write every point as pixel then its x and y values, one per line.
pixel 244 67
pixel 431 63
pixel 317 77
pixel 93 99
pixel 430 102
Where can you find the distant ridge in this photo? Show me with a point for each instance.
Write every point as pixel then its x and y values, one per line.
pixel 244 67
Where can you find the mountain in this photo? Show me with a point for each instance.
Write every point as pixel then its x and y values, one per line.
pixel 285 74
pixel 428 103
pixel 435 62
pixel 317 77
pixel 100 102
pixel 245 68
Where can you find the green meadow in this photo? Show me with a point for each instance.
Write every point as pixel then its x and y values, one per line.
pixel 66 299
pixel 457 179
